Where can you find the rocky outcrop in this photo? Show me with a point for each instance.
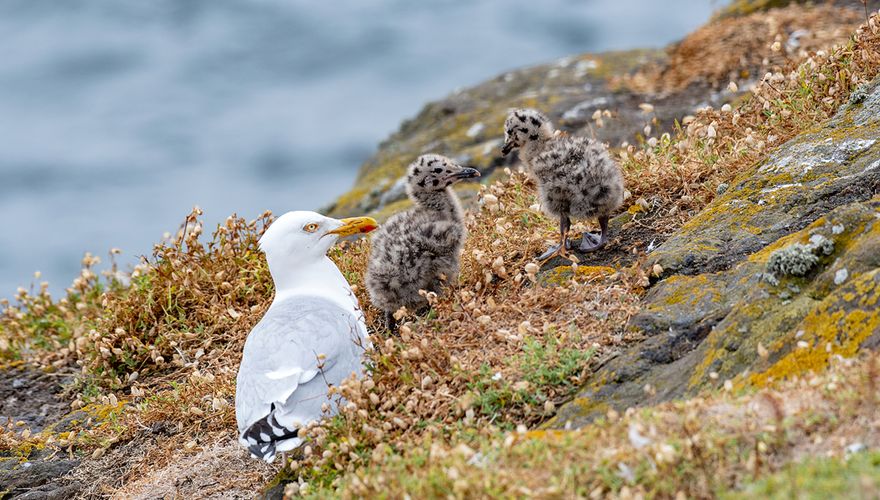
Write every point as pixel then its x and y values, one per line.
pixel 720 313
pixel 467 125
pixel 33 398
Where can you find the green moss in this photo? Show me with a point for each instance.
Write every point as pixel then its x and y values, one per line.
pixel 855 477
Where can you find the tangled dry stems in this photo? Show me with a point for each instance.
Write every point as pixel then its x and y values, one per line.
pixel 682 171
pixel 744 48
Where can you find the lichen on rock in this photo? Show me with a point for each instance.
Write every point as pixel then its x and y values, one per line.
pixel 797 259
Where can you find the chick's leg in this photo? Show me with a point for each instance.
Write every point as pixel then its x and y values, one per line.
pixel 390 322
pixel 560 249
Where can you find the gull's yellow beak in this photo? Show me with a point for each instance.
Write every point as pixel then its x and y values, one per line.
pixel 355 225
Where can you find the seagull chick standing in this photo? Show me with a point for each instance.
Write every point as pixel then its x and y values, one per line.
pixel 576 176
pixel 313 335
pixel 419 249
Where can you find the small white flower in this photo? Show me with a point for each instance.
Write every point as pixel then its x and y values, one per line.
pixel 710 132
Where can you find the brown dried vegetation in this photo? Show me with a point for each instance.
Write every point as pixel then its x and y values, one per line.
pixel 682 171
pixel 744 48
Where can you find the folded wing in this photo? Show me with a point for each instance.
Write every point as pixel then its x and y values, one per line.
pixel 301 347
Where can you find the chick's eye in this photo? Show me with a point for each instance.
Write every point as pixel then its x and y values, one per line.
pixel 310 228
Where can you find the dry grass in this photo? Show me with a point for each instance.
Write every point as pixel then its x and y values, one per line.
pixel 682 171
pixel 498 350
pixel 694 449
pixel 745 48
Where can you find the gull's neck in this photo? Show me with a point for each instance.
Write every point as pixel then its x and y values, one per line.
pixel 445 203
pixel 321 278
pixel 533 148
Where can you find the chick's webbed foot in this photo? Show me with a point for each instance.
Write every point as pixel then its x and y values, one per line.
pixel 559 250
pixel 591 242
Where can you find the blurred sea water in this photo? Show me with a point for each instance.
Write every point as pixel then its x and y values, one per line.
pixel 117 116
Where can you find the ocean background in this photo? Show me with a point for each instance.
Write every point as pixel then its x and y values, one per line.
pixel 117 116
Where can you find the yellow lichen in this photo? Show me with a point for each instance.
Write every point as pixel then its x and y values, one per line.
pixel 835 327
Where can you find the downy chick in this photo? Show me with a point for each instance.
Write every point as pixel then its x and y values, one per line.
pixel 576 176
pixel 419 249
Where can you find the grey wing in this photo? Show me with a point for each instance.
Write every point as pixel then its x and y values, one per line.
pixel 300 347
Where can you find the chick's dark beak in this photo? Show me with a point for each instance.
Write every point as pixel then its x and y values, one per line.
pixel 508 147
pixel 465 173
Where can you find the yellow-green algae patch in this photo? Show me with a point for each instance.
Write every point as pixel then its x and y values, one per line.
pixel 561 274
pixel 689 290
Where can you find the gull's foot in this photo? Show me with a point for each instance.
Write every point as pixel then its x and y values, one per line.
pixel 591 242
pixel 554 251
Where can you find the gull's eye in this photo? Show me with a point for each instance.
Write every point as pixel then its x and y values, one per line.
pixel 310 228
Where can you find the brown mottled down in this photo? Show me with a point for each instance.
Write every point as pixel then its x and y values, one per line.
pixel 419 249
pixel 576 176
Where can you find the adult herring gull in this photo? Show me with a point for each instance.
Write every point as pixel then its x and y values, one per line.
pixel 313 335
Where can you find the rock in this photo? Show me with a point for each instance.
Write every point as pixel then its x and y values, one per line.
pixel 468 123
pixel 39 480
pixel 31 396
pixel 714 318
pixel 805 178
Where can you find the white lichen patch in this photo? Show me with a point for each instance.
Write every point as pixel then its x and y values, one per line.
pixel 781 187
pixel 797 259
pixel 585 108
pixel 395 192
pixel 840 276
pixel 490 146
pixel 870 168
pixel 821 244
pixel 582 67
pixel 804 157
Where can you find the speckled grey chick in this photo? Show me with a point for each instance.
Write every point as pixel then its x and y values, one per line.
pixel 420 248
pixel 576 176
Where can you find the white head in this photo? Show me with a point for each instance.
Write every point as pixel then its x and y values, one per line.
pixel 298 239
